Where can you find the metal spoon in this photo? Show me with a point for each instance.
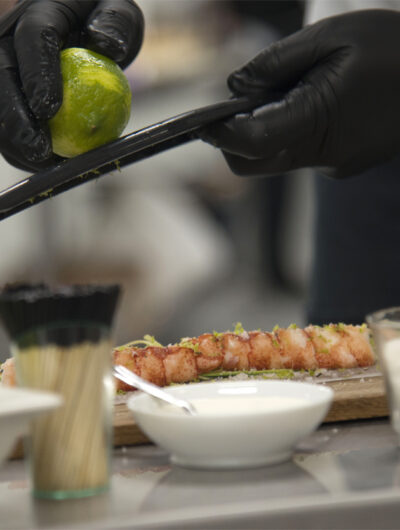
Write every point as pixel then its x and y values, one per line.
pixel 125 375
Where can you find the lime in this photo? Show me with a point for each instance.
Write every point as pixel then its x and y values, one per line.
pixel 96 103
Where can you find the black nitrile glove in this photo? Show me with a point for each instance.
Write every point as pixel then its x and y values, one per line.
pixel 340 108
pixel 30 76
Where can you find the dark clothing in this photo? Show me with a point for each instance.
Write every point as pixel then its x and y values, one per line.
pixel 356 266
pixel 286 16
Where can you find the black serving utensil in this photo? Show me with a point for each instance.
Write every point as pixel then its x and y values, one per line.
pixel 131 148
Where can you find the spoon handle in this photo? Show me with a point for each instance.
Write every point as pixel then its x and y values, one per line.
pixel 127 376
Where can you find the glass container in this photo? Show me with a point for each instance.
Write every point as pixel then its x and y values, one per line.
pixel 60 341
pixel 385 327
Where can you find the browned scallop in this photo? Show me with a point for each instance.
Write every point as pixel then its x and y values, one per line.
pixel 358 342
pixel 180 365
pixel 263 355
pixel 8 377
pixel 297 351
pixel 209 356
pixel 150 365
pixel 331 349
pixel 279 341
pixel 126 357
pixel 339 347
pixel 236 352
pixel 320 342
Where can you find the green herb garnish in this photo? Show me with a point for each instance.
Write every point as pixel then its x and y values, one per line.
pixel 238 328
pixel 45 194
pixel 187 343
pixel 281 373
pixel 148 340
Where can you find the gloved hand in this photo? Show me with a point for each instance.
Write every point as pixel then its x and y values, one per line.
pixel 339 107
pixel 30 76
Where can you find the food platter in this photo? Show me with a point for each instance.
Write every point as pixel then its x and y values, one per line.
pixel 358 386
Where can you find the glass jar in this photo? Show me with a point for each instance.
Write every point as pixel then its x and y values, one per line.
pixel 385 327
pixel 61 343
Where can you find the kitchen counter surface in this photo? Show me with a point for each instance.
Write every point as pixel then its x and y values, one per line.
pixel 346 475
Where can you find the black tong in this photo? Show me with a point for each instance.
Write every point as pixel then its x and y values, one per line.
pixel 126 150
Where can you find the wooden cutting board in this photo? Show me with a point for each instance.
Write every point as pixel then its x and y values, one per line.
pixel 358 399
pixel 354 399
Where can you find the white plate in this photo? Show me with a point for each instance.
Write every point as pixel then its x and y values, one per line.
pixel 235 439
pixel 17 407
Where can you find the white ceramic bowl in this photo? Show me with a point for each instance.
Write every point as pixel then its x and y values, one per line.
pixel 237 438
pixel 18 406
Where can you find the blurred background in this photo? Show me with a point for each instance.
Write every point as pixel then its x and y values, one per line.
pixel 195 248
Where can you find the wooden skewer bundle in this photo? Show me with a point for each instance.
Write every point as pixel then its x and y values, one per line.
pixel 70 446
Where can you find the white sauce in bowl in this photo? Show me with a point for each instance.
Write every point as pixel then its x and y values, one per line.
pixel 227 406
